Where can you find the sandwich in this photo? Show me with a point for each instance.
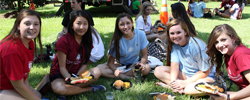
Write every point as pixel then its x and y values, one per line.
pixel 118 84
pixel 83 78
pixel 209 88
pixel 163 96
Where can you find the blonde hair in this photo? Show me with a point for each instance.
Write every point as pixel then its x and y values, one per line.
pixel 142 11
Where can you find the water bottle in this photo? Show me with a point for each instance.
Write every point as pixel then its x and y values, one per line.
pixel 138 74
pixel 49 50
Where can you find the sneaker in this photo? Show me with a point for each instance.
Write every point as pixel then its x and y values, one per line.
pixel 61 97
pixel 96 88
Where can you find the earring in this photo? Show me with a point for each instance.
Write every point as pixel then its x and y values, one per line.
pixel 233 42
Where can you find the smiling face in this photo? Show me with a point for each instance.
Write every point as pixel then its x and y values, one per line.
pixel 80 26
pixel 178 35
pixel 125 25
pixel 29 28
pixel 225 44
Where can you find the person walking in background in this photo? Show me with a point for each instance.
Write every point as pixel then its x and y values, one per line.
pixel 186 61
pixel 98 50
pixel 73 51
pixel 226 49
pixel 16 57
pixel 200 10
pixel 179 12
pixel 125 47
pixel 143 22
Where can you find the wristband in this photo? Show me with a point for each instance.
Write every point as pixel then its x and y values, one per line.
pixel 228 96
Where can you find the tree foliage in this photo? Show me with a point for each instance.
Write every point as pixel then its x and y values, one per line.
pixel 20 4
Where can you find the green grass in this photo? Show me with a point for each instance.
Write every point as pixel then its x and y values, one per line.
pixel 104 23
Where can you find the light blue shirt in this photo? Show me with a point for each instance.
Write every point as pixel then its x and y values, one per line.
pixel 192 57
pixel 191 6
pixel 198 9
pixel 130 49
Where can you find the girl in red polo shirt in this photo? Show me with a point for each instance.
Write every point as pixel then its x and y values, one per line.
pixel 16 57
pixel 225 44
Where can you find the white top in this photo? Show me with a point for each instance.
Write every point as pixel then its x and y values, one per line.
pixel 97 51
pixel 141 25
pixel 236 9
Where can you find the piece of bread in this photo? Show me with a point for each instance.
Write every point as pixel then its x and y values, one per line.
pixel 86 73
pixel 118 84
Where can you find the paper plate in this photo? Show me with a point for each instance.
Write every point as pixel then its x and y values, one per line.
pixel 121 87
pixel 205 90
pixel 172 96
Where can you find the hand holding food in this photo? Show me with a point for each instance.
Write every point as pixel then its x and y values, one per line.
pixel 83 78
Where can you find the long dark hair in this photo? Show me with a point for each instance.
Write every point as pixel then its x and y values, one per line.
pixel 239 2
pixel 15 32
pixel 87 37
pixel 179 11
pixel 118 35
pixel 215 56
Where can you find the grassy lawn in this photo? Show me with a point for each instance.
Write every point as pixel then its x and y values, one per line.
pixel 104 23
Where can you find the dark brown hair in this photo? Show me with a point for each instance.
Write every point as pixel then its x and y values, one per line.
pixel 15 32
pixel 118 35
pixel 215 56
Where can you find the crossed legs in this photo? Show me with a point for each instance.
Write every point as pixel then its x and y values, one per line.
pixel 163 73
pixel 107 72
pixel 60 87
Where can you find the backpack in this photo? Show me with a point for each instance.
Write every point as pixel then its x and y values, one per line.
pixel 239 15
pixel 157 49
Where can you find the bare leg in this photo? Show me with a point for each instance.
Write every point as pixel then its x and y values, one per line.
pixel 152 37
pixel 146 70
pixel 60 87
pixel 163 73
pixel 10 95
pixel 107 72
pixel 189 89
pixel 225 15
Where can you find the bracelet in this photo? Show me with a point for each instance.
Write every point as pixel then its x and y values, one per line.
pixel 228 96
pixel 151 31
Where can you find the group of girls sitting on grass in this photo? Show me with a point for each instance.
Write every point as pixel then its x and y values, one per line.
pixel 232 9
pixel 189 59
